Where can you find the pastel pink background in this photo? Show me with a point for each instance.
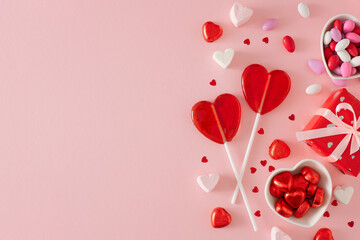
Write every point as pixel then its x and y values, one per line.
pixel 96 139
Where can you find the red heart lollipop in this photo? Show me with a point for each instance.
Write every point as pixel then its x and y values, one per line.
pixel 219 119
pixel 257 83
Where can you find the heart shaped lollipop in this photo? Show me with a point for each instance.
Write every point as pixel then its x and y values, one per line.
pixel 216 119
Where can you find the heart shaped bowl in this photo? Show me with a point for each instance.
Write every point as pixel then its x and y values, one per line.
pixel 314 214
pixel 327 27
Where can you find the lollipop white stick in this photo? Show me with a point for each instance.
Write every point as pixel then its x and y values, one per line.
pixel 247 154
pixel 237 176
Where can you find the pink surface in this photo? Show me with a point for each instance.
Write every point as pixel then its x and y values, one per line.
pixel 96 139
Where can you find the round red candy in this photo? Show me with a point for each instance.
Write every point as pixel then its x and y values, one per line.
pixel 283 208
pixel 328 53
pixel 302 210
pixel 338 24
pixel 352 50
pixel 333 45
pixel 318 198
pixel 289 44
pixel 333 62
pixel 356 30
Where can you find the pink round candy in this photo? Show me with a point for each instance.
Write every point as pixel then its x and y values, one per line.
pixel 337 71
pixel 269 24
pixel 316 66
pixel 353 71
pixel 348 26
pixel 353 37
pixel 335 34
pixel 340 82
pixel 346 69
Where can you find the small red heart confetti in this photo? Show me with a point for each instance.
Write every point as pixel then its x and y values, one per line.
pixel 263 162
pixel 257 213
pixel 253 170
pixel 326 214
pixel 292 117
pixel 351 224
pixel 213 82
pixel 261 131
pixel 271 168
pixel 247 41
pixel 265 40
pixel 334 203
pixel 204 159
pixel 255 189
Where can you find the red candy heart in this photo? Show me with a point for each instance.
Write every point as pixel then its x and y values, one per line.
pixel 220 218
pixel 299 182
pixel 283 208
pixel 211 31
pixel 318 198
pixel 323 234
pixel 256 81
pixel 276 192
pixel 310 175
pixel 351 223
pixel 263 162
pixel 283 181
pixel 295 198
pixel 247 41
pixel 222 115
pixel 310 191
pixel 302 210
pixel 278 149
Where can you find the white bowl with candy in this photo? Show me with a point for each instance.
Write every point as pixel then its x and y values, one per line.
pixel 301 194
pixel 340 47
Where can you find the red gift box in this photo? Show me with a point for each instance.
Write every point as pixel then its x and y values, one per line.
pixel 334 131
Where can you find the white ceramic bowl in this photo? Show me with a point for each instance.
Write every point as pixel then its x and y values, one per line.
pixel 314 214
pixel 327 27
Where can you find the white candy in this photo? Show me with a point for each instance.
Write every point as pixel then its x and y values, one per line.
pixel 277 234
pixel 342 45
pixel 313 89
pixel 343 193
pixel 327 38
pixel 344 55
pixel 208 182
pixel 224 58
pixel 240 14
pixel 303 10
pixel 355 62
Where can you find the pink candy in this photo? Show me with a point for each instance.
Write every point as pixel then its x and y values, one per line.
pixel 346 69
pixel 348 26
pixel 353 37
pixel 335 34
pixel 269 24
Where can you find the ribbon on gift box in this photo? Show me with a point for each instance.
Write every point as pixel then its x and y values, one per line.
pixel 352 134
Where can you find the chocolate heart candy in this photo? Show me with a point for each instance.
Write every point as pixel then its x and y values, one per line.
pixel 310 191
pixel 302 210
pixel 275 191
pixel 295 198
pixel 299 182
pixel 283 181
pixel 318 198
pixel 220 218
pixel 278 149
pixel 310 175
pixel 283 208
pixel 323 234
pixel 211 31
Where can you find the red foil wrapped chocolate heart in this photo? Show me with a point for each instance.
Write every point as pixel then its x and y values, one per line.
pixel 278 149
pixel 318 198
pixel 323 234
pixel 220 218
pixel 295 198
pixel 283 208
pixel 276 192
pixel 310 175
pixel 302 210
pixel 299 182
pixel 283 181
pixel 211 31
pixel 310 191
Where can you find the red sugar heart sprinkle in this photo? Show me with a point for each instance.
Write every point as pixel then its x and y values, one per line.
pixel 334 203
pixel 271 168
pixel 213 82
pixel 257 213
pixel 261 131
pixel 204 159
pixel 292 117
pixel 247 41
pixel 265 40
pixel 253 170
pixel 326 214
pixel 263 162
pixel 351 224
pixel 255 189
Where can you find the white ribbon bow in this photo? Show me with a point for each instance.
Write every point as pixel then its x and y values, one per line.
pixel 351 131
